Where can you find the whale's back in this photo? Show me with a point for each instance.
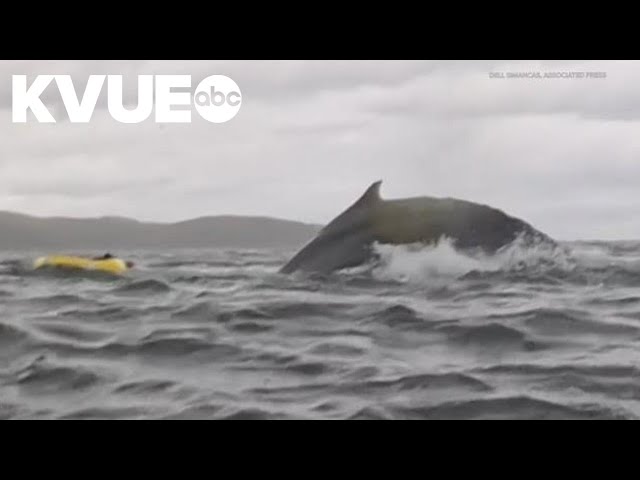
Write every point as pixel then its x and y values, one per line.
pixel 346 241
pixel 427 219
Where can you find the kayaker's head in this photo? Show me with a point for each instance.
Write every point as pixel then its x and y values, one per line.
pixel 130 264
pixel 106 256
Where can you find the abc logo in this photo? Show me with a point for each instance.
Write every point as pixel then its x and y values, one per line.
pixel 217 98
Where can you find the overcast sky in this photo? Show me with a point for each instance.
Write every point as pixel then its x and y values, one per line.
pixel 563 154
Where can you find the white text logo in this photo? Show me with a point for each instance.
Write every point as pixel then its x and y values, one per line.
pixel 217 98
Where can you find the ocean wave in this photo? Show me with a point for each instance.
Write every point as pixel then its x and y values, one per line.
pixel 508 408
pixel 110 413
pixel 399 316
pixel 11 335
pixel 199 311
pixel 611 381
pixel 43 377
pixel 490 336
pixel 146 286
pixel 441 263
pixel 424 333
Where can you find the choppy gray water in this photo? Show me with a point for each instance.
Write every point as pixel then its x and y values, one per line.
pixel 425 334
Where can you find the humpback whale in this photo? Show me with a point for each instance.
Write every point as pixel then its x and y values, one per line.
pixel 348 240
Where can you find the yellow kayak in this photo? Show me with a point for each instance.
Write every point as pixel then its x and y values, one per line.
pixel 114 266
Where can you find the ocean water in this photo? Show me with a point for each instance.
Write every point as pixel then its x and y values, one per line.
pixel 424 333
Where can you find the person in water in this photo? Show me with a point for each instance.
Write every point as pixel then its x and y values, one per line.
pixel 108 256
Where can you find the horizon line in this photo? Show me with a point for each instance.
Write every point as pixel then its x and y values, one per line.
pixel 133 219
pixel 255 216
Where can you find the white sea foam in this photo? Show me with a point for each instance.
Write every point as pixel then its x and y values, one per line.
pixel 419 263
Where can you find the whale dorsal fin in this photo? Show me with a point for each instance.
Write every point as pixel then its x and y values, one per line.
pixel 354 213
pixel 372 195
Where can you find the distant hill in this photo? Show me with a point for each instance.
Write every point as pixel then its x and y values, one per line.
pixel 19 231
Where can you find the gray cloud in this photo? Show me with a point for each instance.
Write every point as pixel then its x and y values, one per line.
pixel 311 136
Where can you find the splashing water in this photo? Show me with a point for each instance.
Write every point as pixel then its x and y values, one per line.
pixel 442 262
